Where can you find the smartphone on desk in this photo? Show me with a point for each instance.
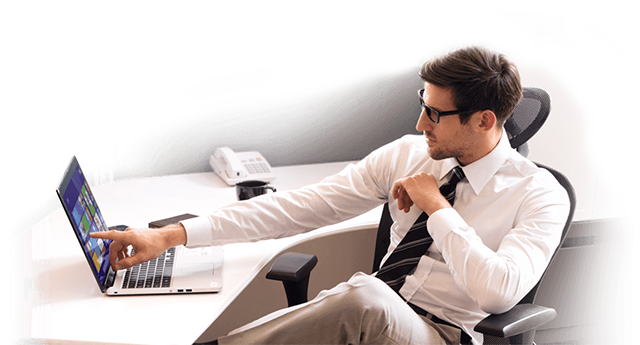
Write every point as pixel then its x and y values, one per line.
pixel 234 167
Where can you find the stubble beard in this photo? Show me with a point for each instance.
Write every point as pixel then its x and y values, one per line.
pixel 437 154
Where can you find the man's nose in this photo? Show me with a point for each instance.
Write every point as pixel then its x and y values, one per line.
pixel 424 123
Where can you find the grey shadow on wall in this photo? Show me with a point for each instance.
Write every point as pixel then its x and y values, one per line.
pixel 338 121
pixel 341 124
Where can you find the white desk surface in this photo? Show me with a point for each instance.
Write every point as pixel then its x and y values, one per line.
pixel 64 304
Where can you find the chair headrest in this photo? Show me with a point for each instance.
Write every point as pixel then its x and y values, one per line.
pixel 529 116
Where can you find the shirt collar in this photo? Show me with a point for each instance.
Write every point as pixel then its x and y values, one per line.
pixel 481 171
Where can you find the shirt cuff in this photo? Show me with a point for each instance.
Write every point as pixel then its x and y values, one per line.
pixel 442 222
pixel 199 232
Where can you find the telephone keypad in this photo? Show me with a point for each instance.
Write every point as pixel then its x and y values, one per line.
pixel 256 168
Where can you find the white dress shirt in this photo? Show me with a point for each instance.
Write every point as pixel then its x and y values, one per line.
pixel 488 251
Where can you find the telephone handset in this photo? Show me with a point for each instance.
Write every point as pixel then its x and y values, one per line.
pixel 235 167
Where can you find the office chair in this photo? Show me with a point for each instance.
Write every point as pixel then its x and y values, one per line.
pixel 516 326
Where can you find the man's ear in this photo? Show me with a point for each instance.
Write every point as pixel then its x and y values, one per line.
pixel 487 120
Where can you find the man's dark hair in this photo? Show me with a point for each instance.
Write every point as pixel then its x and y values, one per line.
pixel 480 80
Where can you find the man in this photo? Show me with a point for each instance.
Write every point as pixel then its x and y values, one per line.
pixel 488 250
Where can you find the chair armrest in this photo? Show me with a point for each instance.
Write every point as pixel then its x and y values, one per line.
pixel 292 267
pixel 521 318
pixel 293 270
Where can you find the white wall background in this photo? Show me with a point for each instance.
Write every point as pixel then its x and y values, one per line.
pixel 142 88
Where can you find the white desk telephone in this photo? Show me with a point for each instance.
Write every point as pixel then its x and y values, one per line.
pixel 235 167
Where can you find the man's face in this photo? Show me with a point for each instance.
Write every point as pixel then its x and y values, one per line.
pixel 448 138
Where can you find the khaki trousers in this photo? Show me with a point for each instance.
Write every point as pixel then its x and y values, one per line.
pixel 363 310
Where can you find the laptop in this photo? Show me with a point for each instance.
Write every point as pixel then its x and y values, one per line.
pixel 177 271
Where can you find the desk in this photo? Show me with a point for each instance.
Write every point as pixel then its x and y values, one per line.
pixel 64 304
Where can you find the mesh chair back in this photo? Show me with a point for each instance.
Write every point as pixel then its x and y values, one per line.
pixel 383 237
pixel 529 115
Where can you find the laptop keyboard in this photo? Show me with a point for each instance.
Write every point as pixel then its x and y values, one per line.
pixel 154 273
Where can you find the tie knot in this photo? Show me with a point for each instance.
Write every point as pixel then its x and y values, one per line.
pixel 456 175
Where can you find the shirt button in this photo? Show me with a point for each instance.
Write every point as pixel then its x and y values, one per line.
pixel 419 274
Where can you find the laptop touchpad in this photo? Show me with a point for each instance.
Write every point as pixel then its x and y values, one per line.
pixel 196 269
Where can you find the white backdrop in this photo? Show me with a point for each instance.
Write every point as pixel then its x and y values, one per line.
pixel 144 88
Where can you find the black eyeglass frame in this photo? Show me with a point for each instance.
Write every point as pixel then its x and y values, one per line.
pixel 428 110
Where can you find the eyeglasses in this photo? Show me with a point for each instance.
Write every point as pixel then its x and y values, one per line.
pixel 435 115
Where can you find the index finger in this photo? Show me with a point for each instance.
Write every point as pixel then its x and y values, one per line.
pixel 117 247
pixel 108 235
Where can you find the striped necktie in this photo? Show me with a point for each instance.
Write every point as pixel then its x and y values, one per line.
pixel 416 242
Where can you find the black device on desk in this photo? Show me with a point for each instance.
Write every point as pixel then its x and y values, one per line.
pixel 168 221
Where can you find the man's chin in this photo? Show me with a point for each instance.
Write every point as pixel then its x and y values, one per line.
pixel 439 155
pixel 435 154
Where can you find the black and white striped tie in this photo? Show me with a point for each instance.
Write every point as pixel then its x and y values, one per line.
pixel 416 242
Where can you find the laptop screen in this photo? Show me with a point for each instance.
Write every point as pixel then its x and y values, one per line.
pixel 85 216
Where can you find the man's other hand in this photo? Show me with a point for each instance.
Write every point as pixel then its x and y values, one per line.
pixel 420 189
